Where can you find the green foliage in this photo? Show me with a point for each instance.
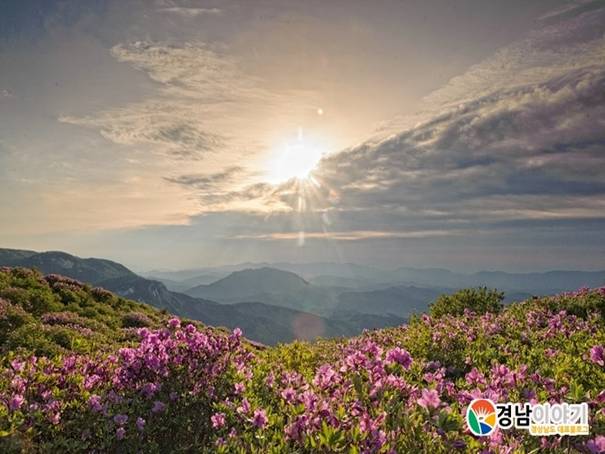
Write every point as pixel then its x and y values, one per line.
pixel 479 300
pixel 12 317
pixel 54 315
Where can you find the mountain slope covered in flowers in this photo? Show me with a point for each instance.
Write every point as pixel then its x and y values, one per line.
pixel 181 387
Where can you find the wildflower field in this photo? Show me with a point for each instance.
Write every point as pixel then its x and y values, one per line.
pixel 85 371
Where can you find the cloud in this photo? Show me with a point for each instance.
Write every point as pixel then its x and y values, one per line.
pixel 354 235
pixel 518 137
pixel 189 11
pixel 202 103
pixel 172 121
pixel 207 181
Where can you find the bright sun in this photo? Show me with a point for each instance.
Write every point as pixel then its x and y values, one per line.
pixel 294 159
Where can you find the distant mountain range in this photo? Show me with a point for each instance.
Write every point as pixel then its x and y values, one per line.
pixel 361 277
pixel 283 301
pixel 260 321
pixel 270 286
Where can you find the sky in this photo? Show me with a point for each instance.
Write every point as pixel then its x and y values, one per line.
pixel 175 134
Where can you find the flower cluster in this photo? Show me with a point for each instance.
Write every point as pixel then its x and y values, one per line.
pixel 398 390
pixel 124 399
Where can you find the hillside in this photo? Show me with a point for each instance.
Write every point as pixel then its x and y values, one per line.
pixel 91 270
pixel 53 314
pixel 11 256
pixel 403 389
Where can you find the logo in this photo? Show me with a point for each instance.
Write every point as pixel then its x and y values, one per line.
pixel 481 417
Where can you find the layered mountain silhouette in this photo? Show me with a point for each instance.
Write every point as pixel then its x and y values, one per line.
pixel 284 301
pixel 260 321
pixel 278 288
pixel 365 278
pixel 538 283
pixel 243 284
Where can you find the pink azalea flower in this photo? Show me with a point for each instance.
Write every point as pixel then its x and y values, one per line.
pixel 17 365
pixel 158 407
pixel 55 418
pixel 140 424
pixel 429 399
pixel 218 420
pixel 16 402
pixel 120 420
pixel 244 407
pixel 260 418
pixel 399 356
pixel 174 323
pixel 597 355
pixel 94 402
pixel 596 445
pixel 288 394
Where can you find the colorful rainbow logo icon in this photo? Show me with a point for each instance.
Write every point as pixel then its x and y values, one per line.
pixel 481 417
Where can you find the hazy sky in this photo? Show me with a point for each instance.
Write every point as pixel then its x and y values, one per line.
pixel 171 134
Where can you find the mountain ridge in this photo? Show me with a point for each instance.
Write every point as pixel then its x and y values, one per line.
pixel 251 281
pixel 268 323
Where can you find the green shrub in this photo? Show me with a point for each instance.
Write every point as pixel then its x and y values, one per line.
pixel 11 318
pixel 136 320
pixel 479 300
pixel 32 338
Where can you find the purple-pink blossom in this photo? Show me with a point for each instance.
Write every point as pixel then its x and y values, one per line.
pixel 597 355
pixel 174 323
pixel 94 402
pixel 218 420
pixel 400 356
pixel 260 418
pixel 16 402
pixel 596 445
pixel 158 406
pixel 429 399
pixel 120 420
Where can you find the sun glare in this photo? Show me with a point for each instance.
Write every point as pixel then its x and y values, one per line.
pixel 294 159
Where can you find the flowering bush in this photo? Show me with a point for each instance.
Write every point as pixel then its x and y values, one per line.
pixel 399 390
pixel 406 389
pixel 159 394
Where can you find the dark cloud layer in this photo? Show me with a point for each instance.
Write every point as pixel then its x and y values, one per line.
pixel 516 153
